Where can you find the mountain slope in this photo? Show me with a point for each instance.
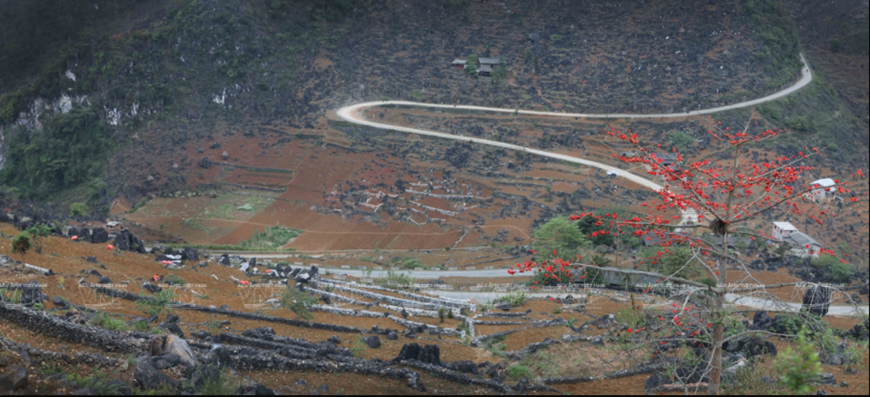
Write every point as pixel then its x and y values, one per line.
pixel 175 72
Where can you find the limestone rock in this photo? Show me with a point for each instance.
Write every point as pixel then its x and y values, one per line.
pixel 172 344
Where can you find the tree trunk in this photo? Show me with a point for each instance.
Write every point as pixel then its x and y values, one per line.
pixel 718 334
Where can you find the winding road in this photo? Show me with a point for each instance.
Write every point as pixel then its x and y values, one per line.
pixel 353 114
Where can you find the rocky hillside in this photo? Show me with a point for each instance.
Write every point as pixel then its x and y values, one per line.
pixel 142 80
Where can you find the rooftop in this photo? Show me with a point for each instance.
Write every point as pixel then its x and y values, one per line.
pixel 785 226
pixel 489 61
pixel 803 240
pixel 666 156
pixel 827 182
pixel 460 62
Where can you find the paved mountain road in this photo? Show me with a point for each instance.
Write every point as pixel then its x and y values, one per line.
pixel 353 114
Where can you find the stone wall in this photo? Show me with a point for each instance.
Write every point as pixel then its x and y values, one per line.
pixel 51 326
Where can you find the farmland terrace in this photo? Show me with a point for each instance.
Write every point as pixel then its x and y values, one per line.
pixel 115 325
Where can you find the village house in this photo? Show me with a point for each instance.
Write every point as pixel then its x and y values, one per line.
pixel 668 159
pixel 782 230
pixel 491 62
pixel 486 65
pixel 804 244
pixel 825 190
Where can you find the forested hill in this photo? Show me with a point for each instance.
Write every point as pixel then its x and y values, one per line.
pixel 96 96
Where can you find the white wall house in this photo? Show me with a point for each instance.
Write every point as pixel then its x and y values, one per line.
pixel 826 189
pixel 782 230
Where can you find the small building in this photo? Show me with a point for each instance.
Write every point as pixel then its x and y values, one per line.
pixel 667 159
pixel 824 189
pixel 491 62
pixel 459 63
pixel 484 70
pixel 782 230
pixel 804 244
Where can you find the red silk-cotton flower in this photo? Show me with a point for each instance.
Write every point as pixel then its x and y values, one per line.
pixel 700 226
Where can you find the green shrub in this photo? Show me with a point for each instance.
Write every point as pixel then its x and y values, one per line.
pixel 140 326
pixel 358 347
pixel 833 270
pixel 102 320
pixel 559 234
pixel 13 296
pixel 799 367
pixel 471 65
pixel 836 44
pixel 298 302
pixel 219 385
pixel 633 318
pixel 515 299
pixel 518 371
pixel 173 280
pixel 680 140
pixel 400 279
pixel 78 209
pixel 21 243
pixel 37 232
pixel 158 303
pixel 442 314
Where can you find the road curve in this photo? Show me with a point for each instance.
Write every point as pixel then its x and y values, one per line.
pixel 352 114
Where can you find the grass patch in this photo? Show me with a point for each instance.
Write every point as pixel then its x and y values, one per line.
pixel 358 347
pixel 219 385
pixel 103 320
pixel 396 279
pixel 544 362
pixel 519 371
pixel 515 299
pixel 406 262
pixel 271 238
pixel 13 296
pixel 99 381
pixel 49 368
pixel 140 326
